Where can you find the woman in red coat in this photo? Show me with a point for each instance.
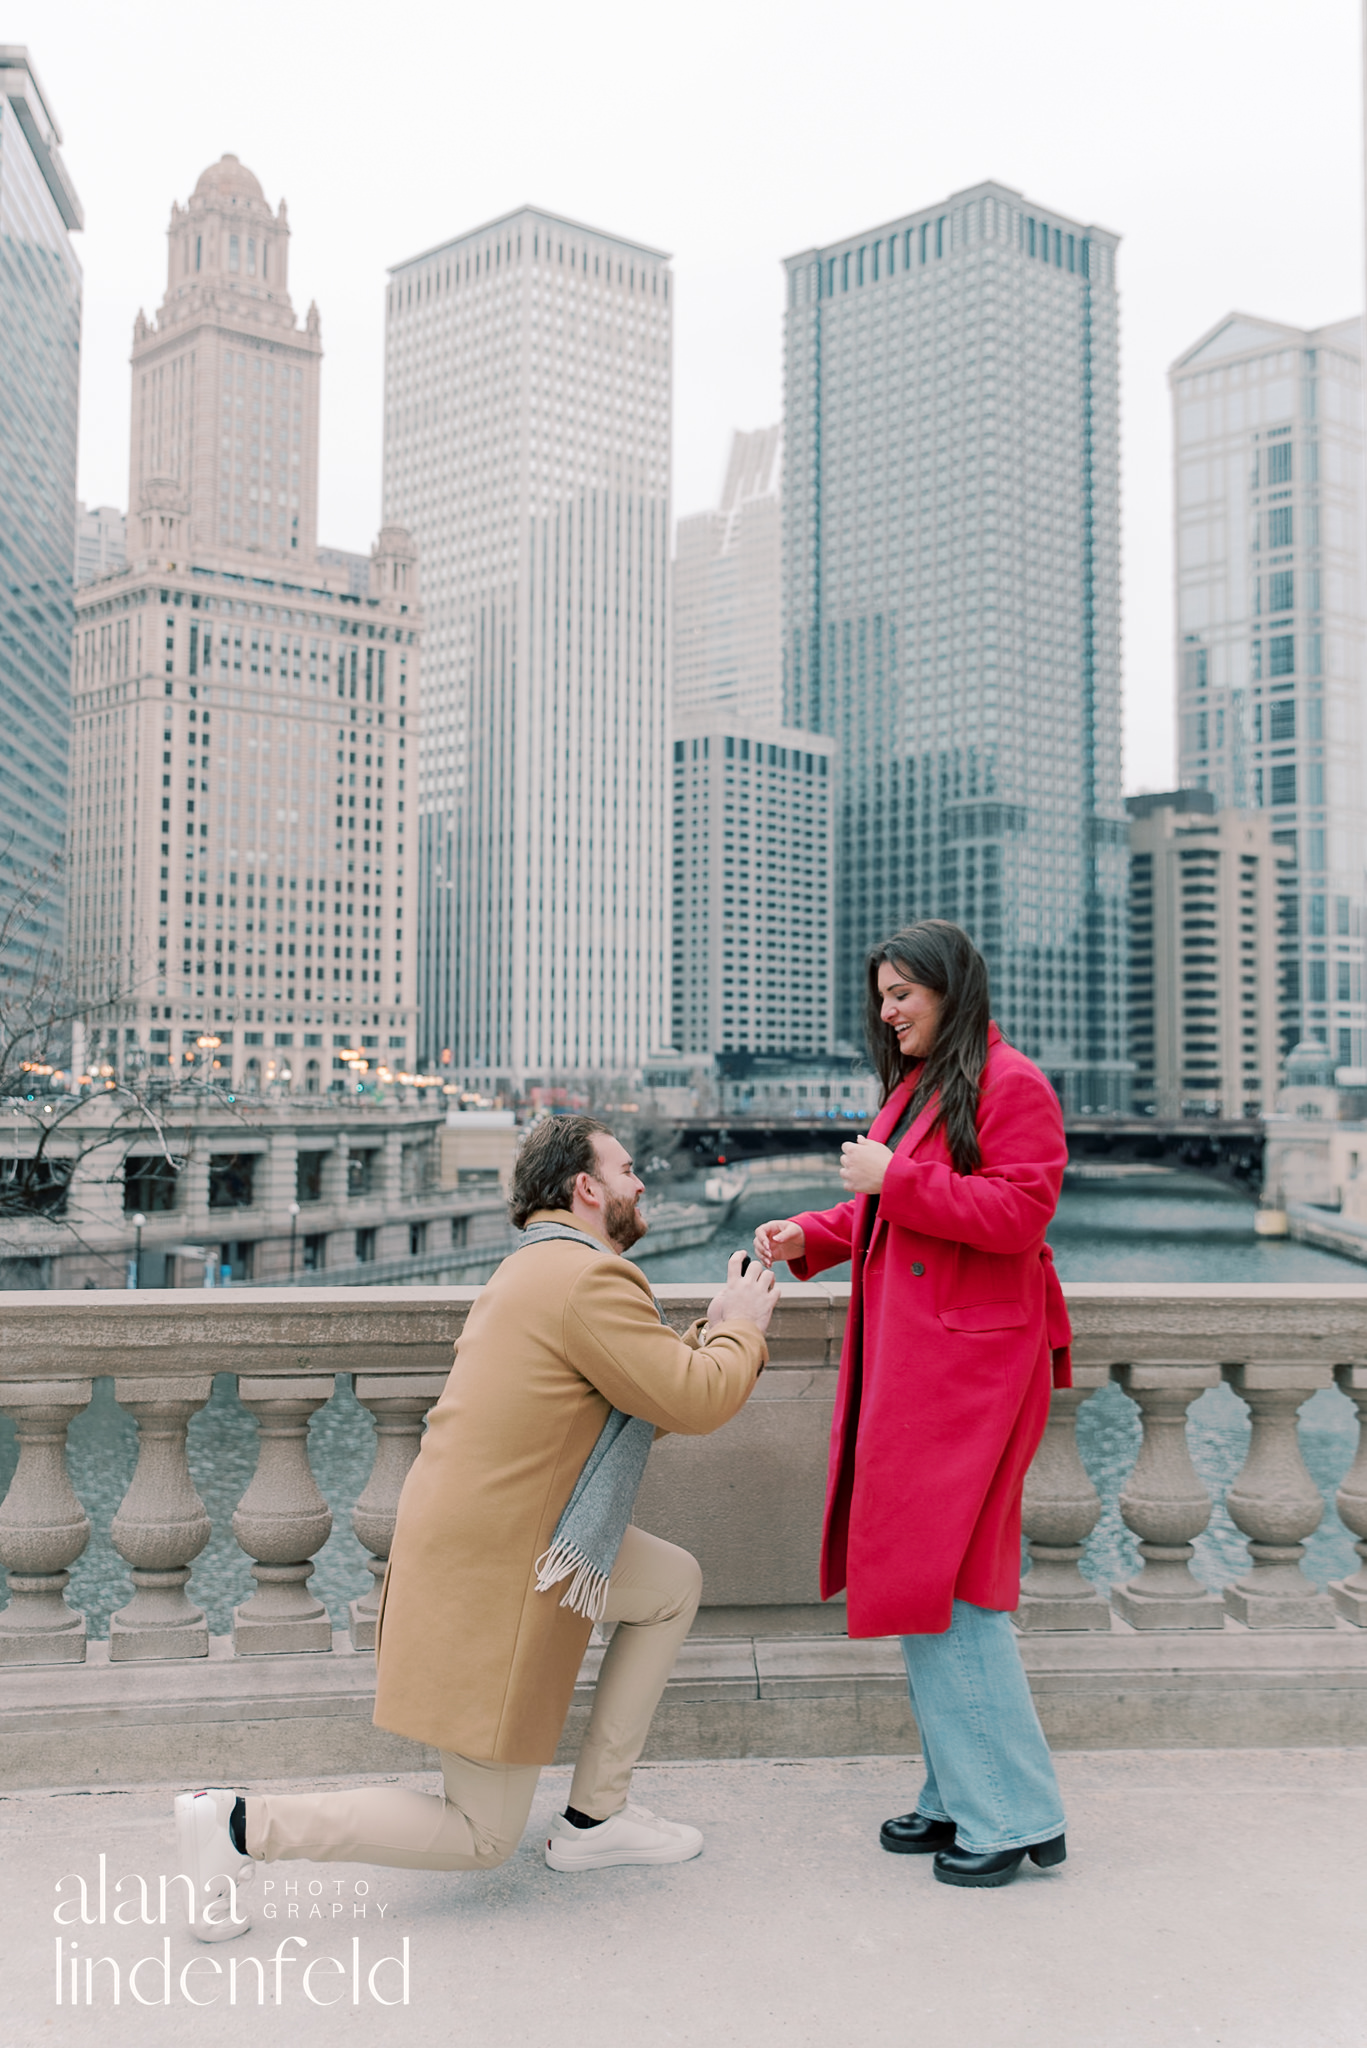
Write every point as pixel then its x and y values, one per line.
pixel 956 1328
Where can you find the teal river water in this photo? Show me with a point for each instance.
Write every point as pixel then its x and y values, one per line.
pixel 1168 1229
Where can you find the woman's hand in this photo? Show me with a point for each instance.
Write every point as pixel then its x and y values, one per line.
pixel 863 1166
pixel 779 1241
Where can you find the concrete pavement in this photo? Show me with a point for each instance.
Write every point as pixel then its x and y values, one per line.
pixel 1211 1897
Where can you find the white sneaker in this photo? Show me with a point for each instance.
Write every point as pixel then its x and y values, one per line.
pixel 634 1835
pixel 213 1866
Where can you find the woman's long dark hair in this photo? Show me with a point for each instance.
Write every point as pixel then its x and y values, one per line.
pixel 941 957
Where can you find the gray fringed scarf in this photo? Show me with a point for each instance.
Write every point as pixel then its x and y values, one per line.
pixel 589 1533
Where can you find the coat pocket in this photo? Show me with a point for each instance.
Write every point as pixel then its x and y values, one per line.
pixel 985 1315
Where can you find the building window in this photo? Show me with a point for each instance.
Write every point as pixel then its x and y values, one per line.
pixel 316 1252
pixel 230 1179
pixel 1196 666
pixel 1281 655
pixel 235 1262
pixel 234 259
pixel 1284 784
pixel 308 1177
pixel 1279 463
pixel 1282 719
pixel 149 1184
pixel 365 1247
pixel 417 1240
pixel 1281 586
pixel 1279 527
pixel 360 1170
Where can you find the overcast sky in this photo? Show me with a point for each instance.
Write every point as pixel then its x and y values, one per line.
pixel 1221 139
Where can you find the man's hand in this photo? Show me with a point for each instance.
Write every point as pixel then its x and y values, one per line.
pixel 863 1166
pixel 781 1241
pixel 751 1296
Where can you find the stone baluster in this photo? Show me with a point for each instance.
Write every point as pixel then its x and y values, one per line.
pixel 1350 1595
pixel 1165 1503
pixel 1275 1502
pixel 281 1520
pixel 1061 1508
pixel 399 1406
pixel 43 1527
pixel 162 1525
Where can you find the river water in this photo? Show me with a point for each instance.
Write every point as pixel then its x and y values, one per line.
pixel 1170 1228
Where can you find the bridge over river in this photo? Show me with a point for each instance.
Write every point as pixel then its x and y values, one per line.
pixel 1225 1149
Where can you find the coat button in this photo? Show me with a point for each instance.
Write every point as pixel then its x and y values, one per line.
pixel 917 1268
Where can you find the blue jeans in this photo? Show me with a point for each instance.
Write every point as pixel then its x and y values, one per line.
pixel 988 1767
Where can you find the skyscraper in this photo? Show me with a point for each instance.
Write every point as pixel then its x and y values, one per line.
pixel 1203 957
pixel 527 414
pixel 1269 499
pixel 753 814
pixel 241 848
pixel 101 541
pixel 728 591
pixel 951 549
pixel 40 345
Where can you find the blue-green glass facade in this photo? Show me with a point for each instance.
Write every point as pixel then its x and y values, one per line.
pixel 952 604
pixel 40 336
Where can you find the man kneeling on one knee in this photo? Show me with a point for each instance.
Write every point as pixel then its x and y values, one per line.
pixel 513 1537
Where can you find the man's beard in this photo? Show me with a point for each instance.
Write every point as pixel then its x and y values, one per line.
pixel 623 1221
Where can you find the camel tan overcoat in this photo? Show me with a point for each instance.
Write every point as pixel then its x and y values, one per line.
pixel 471 1657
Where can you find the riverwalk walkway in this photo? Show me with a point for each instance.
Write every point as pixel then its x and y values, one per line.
pixel 1211 1897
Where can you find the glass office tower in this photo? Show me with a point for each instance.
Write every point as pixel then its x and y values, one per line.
pixel 952 614
pixel 40 341
pixel 1267 496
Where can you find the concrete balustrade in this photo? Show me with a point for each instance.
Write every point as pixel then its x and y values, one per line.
pixel 747 1501
pixel 1160 1658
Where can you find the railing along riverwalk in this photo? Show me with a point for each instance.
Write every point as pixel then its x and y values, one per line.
pixel 747 1500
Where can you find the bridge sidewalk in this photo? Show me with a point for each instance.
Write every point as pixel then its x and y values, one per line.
pixel 1208 1897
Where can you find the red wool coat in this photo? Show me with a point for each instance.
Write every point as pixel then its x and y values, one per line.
pixel 957 1328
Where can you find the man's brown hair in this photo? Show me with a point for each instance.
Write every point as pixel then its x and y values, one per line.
pixel 555 1152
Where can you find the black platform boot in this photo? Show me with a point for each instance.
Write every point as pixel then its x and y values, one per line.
pixel 995 1866
pixel 914 1834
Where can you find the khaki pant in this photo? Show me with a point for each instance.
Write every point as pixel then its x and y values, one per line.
pixel 652 1597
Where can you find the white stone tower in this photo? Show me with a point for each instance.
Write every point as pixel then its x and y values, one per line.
pixel 220 471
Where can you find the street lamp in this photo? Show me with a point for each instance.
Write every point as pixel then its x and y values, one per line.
pixel 294 1225
pixel 135 1280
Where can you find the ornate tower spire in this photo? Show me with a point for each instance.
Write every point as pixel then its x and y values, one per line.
pixel 225 383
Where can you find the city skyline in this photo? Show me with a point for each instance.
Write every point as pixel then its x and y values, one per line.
pixel 809 155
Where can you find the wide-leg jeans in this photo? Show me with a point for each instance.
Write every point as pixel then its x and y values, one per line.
pixel 988 1767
